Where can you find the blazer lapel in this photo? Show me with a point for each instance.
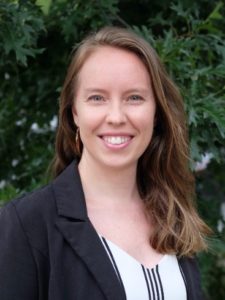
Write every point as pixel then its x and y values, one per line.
pixel 77 229
pixel 86 243
pixel 192 278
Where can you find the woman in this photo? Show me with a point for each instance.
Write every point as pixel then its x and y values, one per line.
pixel 118 221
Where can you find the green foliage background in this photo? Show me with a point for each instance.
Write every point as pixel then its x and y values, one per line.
pixel 36 39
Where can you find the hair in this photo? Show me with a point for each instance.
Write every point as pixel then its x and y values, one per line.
pixel 164 179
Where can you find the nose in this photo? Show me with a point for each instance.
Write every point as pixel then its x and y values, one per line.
pixel 116 114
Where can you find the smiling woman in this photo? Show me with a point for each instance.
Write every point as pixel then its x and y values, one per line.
pixel 115 120
pixel 118 221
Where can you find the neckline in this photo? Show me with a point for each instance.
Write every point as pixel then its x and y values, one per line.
pixel 162 259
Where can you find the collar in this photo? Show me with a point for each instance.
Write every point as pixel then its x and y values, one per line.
pixel 69 195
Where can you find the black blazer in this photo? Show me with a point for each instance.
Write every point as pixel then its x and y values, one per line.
pixel 50 250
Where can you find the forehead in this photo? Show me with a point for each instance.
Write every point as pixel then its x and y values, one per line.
pixel 113 62
pixel 104 53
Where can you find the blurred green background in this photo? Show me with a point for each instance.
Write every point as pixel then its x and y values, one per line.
pixel 36 39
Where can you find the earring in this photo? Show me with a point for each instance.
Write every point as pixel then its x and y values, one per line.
pixel 78 142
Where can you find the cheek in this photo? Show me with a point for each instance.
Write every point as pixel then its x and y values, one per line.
pixel 145 125
pixel 145 120
pixel 82 117
pixel 88 120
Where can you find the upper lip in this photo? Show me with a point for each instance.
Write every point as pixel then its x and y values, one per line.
pixel 125 134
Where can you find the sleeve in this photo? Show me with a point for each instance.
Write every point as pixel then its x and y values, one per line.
pixel 18 276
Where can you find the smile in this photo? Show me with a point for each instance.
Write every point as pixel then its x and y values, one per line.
pixel 116 140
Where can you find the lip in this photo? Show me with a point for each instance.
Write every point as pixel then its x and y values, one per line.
pixel 125 134
pixel 123 143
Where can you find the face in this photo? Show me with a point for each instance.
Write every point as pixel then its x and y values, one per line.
pixel 114 108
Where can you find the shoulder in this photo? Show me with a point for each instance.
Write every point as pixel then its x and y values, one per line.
pixel 41 203
pixel 189 265
pixel 30 217
pixel 191 272
pixel 35 215
pixel 36 205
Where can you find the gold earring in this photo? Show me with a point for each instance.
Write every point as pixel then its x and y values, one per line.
pixel 78 142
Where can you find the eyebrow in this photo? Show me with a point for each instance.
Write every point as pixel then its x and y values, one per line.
pixel 133 90
pixel 95 90
pixel 138 90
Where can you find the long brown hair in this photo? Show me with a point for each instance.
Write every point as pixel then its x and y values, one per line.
pixel 164 180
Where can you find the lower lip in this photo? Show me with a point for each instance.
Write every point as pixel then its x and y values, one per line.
pixel 115 147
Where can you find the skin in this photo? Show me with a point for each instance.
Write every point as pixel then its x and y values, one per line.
pixel 115 109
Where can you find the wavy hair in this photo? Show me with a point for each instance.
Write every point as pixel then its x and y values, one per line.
pixel 164 179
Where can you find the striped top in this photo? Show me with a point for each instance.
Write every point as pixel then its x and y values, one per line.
pixel 162 282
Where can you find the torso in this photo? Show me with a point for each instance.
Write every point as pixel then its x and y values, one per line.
pixel 127 227
pixel 144 283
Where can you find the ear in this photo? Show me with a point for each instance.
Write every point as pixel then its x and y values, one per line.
pixel 75 116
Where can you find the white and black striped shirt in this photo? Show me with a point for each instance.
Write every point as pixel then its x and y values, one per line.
pixel 162 282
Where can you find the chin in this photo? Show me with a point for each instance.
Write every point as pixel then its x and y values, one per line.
pixel 116 164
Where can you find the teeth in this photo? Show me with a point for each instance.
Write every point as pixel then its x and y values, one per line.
pixel 116 140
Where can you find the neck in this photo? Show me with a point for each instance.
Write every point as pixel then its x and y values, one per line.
pixel 108 186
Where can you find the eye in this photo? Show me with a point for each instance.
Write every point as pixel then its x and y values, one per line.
pixel 95 98
pixel 135 98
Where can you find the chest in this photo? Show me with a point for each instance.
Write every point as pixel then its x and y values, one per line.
pixel 129 229
pixel 140 282
pixel 80 268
